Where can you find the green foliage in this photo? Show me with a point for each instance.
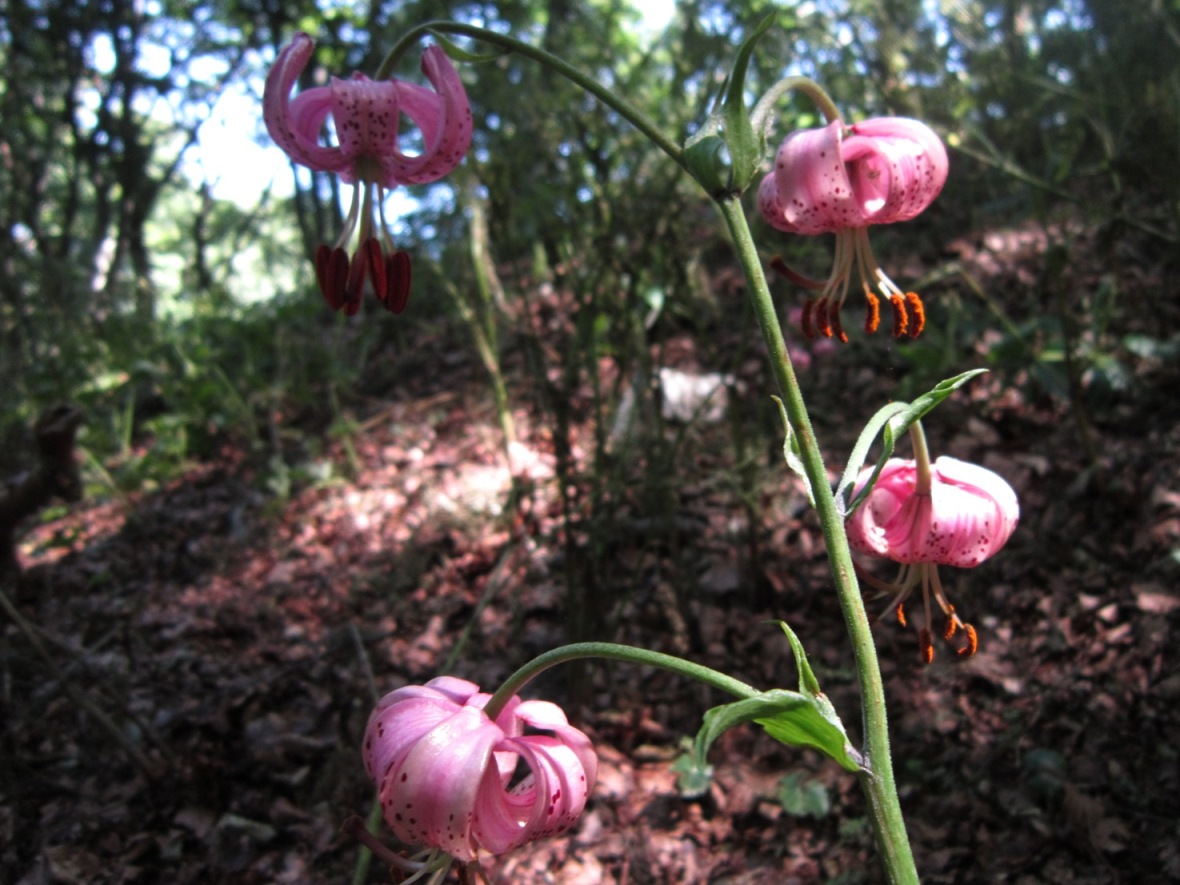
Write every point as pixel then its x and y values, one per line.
pixel 121 277
pixel 803 718
pixel 890 421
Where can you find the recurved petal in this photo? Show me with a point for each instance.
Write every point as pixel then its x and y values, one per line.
pixel 884 524
pixel 546 802
pixel 404 715
pixel 547 716
pixel 974 512
pixel 813 194
pixel 897 167
pixel 277 109
pixel 443 116
pixel 968 516
pixel 429 796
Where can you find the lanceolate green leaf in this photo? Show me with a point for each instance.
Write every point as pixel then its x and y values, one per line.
pixel 803 718
pixel 890 421
pixel 791 450
pixel 458 53
pixel 746 146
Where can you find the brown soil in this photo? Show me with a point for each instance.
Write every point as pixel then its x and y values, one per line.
pixel 235 641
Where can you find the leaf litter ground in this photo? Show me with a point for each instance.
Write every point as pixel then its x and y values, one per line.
pixel 237 641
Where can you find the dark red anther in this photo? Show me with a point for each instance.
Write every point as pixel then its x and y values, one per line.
pixel 834 320
pixel 808 328
pixel 917 312
pixel 873 313
pixel 821 317
pixel 331 272
pixel 358 271
pixel 926 646
pixel 374 259
pixel 901 320
pixel 396 293
pixel 323 257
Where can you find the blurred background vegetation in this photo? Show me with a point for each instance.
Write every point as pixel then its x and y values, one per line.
pixel 184 319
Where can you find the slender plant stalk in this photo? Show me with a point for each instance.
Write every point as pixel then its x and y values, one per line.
pixel 617 103
pixel 877 780
pixel 615 652
pixel 921 458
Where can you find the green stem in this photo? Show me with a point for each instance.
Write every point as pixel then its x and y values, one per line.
pixel 877 781
pixel 921 458
pixel 760 116
pixel 620 105
pixel 615 652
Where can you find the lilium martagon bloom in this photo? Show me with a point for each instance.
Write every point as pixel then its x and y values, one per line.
pixel 447 775
pixel 963 516
pixel 842 179
pixel 366 115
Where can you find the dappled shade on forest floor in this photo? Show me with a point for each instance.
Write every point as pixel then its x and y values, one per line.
pixel 232 636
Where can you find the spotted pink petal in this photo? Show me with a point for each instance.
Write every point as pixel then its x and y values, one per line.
pixel 299 142
pixel 809 187
pixel 547 802
pixel 367 115
pixel 897 167
pixel 444 116
pixel 968 516
pixel 419 708
pixel 445 771
pixel 880 171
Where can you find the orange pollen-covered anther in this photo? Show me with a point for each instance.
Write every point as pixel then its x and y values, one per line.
pixel 926 646
pixel 901 615
pixel 901 320
pixel 917 312
pixel 972 644
pixel 872 313
pixel 952 623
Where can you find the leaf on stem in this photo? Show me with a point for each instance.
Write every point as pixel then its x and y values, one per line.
pixel 890 421
pixel 457 53
pixel 746 146
pixel 791 452
pixel 803 718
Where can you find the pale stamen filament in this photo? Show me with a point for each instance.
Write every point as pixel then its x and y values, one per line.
pixel 870 271
pixel 926 573
pixel 841 267
pixel 386 237
pixel 353 213
pixel 366 212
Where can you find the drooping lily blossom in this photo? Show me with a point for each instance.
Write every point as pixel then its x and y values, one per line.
pixel 842 179
pixel 446 773
pixel 965 515
pixel 366 115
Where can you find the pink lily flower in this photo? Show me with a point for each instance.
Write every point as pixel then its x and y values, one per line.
pixel 964 514
pixel 366 115
pixel 840 180
pixel 445 771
